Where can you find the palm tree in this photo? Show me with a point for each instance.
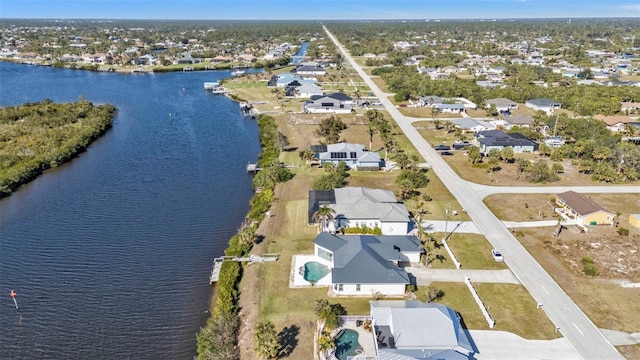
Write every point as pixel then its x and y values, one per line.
pixel 323 214
pixel 307 155
pixel 326 342
pixel 266 339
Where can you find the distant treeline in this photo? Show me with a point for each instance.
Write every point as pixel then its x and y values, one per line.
pixel 38 136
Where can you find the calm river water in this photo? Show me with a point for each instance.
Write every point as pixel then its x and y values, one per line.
pixel 110 254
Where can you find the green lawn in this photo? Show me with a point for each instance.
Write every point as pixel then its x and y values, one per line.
pixel 510 305
pixel 473 251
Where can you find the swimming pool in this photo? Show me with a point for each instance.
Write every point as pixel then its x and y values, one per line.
pixel 314 271
pixel 347 344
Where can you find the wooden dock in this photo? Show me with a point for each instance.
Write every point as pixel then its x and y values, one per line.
pixel 253 168
pixel 217 263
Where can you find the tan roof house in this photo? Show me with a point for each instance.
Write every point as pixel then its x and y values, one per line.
pixel 584 210
pixel 634 220
pixel 615 123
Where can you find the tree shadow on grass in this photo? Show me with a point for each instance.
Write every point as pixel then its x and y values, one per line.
pixel 288 339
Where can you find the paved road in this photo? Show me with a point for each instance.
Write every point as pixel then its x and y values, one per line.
pixel 582 334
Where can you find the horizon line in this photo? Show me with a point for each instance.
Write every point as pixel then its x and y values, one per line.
pixel 345 19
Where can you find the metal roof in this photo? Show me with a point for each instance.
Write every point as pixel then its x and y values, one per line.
pixel 420 330
pixel 367 259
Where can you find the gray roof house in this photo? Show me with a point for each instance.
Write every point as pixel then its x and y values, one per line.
pixel 546 105
pixel 411 329
pixel 354 155
pixel 336 103
pixel 367 264
pixel 471 125
pixel 517 120
pixel 310 70
pixel 430 100
pixel 496 139
pixel 307 90
pixel 361 207
pixel 502 104
pixel 187 59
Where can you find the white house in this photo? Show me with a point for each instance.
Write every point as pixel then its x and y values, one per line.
pixel 450 108
pixel 367 264
pixel 471 125
pixel 361 207
pixel 310 70
pixel 502 104
pixel 336 103
pixel 411 329
pixel 546 105
pixel 353 155
pixel 496 139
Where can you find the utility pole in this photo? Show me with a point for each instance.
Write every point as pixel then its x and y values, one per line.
pixel 446 221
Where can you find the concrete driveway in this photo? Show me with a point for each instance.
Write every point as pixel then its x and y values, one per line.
pixel 502 345
pixel 425 276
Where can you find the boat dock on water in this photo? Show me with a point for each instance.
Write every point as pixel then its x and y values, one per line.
pixel 215 88
pixel 217 263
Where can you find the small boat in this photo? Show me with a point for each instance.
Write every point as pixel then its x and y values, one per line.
pixel 237 72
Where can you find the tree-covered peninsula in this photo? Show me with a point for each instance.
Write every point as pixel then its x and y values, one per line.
pixel 38 136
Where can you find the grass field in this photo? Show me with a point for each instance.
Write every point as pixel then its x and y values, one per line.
pixel 510 305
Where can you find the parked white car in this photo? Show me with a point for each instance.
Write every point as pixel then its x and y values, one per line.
pixel 497 255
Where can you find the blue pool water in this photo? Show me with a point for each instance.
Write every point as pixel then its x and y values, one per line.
pixel 314 271
pixel 347 344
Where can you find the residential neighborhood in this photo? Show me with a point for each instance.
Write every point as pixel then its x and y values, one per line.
pixel 426 189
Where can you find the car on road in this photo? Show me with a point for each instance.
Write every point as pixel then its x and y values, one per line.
pixel 442 147
pixel 446 153
pixel 497 255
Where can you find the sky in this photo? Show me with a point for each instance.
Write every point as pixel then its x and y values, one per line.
pixel 316 9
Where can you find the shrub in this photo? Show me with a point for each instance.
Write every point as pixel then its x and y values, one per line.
pixel 623 231
pixel 590 269
pixel 589 266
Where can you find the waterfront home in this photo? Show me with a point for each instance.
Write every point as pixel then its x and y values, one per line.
pixel 546 105
pixel 359 207
pixel 355 156
pixel 411 329
pixel 336 103
pixel 367 264
pixel 306 70
pixel 582 209
pixel 187 59
pixel 496 139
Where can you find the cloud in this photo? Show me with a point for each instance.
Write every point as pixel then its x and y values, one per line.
pixel 633 7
